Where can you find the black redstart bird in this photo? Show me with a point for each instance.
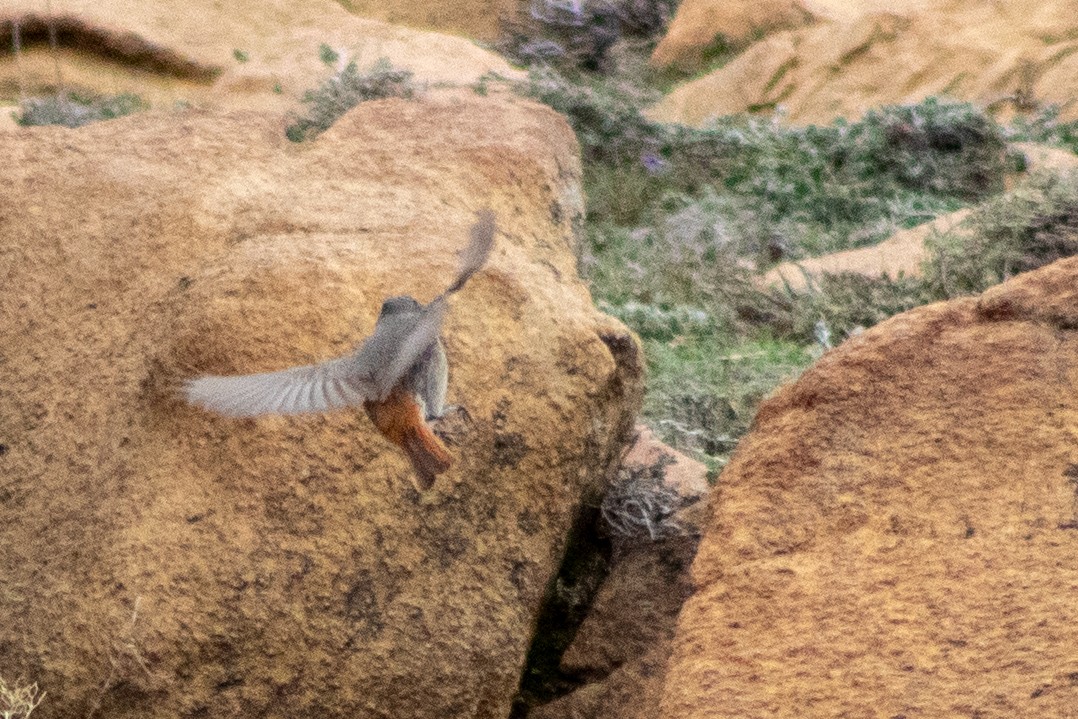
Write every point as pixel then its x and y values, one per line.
pixel 399 374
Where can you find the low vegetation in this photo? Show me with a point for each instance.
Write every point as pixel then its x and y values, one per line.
pixel 76 109
pixel 343 90
pixel 1045 127
pixel 1035 224
pixel 573 34
pixel 681 221
pixel 836 306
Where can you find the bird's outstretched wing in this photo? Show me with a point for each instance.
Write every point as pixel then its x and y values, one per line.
pixel 368 374
pixel 475 255
pixel 312 388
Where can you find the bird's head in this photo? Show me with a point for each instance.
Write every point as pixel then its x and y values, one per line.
pixel 396 305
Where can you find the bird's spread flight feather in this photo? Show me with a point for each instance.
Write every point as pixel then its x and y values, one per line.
pixel 475 255
pixel 369 373
pixel 312 388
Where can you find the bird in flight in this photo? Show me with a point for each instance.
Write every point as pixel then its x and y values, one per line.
pixel 399 374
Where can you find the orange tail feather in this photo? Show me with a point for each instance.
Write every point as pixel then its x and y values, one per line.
pixel 398 417
pixel 429 456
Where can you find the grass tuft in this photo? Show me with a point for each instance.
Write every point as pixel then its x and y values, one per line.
pixel 18 701
pixel 703 391
pixel 844 303
pixel 641 505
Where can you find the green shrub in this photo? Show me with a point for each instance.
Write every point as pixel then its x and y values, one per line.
pixel 621 194
pixel 840 304
pixel 661 172
pixel 817 189
pixel 946 147
pixel 572 34
pixel 561 34
pixel 1035 224
pixel 328 55
pixel 343 91
pixel 76 110
pixel 703 391
pixel 852 184
pixel 1046 128
pixel 605 115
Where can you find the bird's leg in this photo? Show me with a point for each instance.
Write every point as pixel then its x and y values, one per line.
pixel 451 425
pixel 452 409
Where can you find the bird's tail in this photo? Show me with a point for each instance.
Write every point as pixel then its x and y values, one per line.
pixel 399 418
pixel 429 456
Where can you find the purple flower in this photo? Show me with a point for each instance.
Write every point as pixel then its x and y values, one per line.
pixel 654 163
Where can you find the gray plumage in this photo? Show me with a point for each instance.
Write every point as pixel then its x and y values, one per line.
pixel 405 346
pixel 475 255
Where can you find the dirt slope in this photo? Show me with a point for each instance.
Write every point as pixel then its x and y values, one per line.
pixel 244 54
pixel 1006 55
pixel 477 19
pixel 900 254
pixel 700 25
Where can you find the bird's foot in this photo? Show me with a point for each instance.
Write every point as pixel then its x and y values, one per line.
pixel 452 425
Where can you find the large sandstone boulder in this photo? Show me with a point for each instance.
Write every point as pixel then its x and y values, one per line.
pixel 897 535
pixel 1007 55
pixel 700 25
pixel 250 54
pixel 159 561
